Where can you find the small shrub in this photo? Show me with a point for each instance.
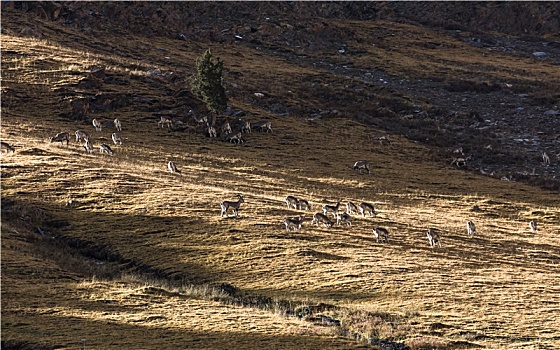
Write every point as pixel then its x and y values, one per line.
pixel 373 325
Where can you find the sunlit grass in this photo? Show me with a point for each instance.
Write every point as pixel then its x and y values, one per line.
pixel 141 250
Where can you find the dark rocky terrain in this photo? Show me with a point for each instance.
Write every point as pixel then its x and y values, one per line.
pixel 524 18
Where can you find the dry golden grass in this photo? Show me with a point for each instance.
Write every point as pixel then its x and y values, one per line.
pixel 131 219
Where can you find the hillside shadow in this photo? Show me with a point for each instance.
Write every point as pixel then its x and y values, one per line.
pixel 108 334
pixel 64 226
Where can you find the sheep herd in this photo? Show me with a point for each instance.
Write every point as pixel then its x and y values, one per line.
pixel 381 234
pixel 85 136
pixel 230 131
pixel 292 224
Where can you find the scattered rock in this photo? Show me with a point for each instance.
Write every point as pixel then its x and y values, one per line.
pixel 27 31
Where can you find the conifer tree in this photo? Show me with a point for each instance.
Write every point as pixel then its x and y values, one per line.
pixel 207 83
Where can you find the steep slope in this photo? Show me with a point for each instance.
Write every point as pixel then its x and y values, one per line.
pixel 114 251
pixel 443 88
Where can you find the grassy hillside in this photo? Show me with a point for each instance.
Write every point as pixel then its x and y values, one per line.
pixel 104 252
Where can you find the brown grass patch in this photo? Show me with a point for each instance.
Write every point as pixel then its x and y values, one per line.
pixel 99 251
